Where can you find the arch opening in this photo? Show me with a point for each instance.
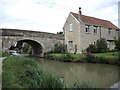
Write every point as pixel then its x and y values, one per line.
pixel 37 48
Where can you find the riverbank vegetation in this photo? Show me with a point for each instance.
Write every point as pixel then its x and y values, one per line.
pixel 27 49
pixel 94 53
pixel 3 54
pixel 117 44
pixel 100 46
pixel 105 58
pixel 21 72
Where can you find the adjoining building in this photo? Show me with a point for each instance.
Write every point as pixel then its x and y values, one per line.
pixel 80 31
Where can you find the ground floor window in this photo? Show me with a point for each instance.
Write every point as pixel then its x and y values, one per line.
pixel 70 44
pixel 111 44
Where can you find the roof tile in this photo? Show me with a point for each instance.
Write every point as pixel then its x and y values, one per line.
pixel 95 21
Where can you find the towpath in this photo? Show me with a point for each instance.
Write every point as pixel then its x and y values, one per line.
pixel 1 60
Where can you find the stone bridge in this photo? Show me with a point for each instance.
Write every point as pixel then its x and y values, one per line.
pixel 41 42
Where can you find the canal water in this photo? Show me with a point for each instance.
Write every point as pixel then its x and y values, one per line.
pixel 102 75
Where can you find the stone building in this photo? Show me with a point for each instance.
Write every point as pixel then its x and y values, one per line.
pixel 80 31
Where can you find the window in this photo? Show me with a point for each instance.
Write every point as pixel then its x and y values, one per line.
pixel 70 27
pixel 117 29
pixel 70 44
pixel 110 31
pixel 95 29
pixel 95 42
pixel 87 29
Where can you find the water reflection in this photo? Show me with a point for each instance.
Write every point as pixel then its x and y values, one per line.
pixel 102 75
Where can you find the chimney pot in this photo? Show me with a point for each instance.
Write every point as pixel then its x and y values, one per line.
pixel 79 8
pixel 80 11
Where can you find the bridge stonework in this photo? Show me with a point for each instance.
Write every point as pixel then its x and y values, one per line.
pixel 41 42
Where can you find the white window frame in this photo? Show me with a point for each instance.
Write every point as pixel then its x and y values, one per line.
pixel 87 28
pixel 70 43
pixel 70 27
pixel 95 42
pixel 95 29
pixel 110 31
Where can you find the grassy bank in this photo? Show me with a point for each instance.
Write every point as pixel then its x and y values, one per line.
pixel 105 58
pixel 3 54
pixel 21 72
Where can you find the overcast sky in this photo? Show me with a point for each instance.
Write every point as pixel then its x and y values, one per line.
pixel 50 15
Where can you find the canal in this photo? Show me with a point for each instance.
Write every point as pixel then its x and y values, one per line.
pixel 102 75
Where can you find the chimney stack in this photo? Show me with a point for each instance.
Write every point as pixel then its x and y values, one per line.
pixel 80 14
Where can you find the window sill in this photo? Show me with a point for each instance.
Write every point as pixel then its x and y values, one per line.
pixel 87 32
pixel 95 33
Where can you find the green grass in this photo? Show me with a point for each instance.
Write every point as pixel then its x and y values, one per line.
pixel 83 85
pixel 109 58
pixel 21 72
pixel 105 58
pixel 97 54
pixel 74 55
pixel 3 54
pixel 108 54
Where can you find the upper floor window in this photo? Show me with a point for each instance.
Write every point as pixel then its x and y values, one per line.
pixel 110 31
pixel 87 28
pixel 117 29
pixel 70 28
pixel 95 29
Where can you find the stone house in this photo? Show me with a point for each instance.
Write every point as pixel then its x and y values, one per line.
pixel 80 31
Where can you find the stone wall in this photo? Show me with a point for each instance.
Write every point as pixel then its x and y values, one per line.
pixel 73 35
pixel 28 33
pixel 46 40
pixel 0 40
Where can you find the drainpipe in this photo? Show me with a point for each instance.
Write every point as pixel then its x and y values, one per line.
pixel 80 20
pixel 100 32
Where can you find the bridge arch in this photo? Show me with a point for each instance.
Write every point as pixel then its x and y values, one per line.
pixel 37 47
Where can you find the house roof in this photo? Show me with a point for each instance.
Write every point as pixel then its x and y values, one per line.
pixel 95 21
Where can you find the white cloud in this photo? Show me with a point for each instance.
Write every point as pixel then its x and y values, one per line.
pixel 50 15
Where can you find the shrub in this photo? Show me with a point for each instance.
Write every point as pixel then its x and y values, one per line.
pixel 27 48
pixel 59 48
pixel 117 44
pixel 92 48
pixel 113 50
pixel 100 47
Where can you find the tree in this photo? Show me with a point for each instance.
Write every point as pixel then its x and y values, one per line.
pixel 117 44
pixel 101 45
pixel 60 32
pixel 26 48
pixel 92 48
pixel 59 48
